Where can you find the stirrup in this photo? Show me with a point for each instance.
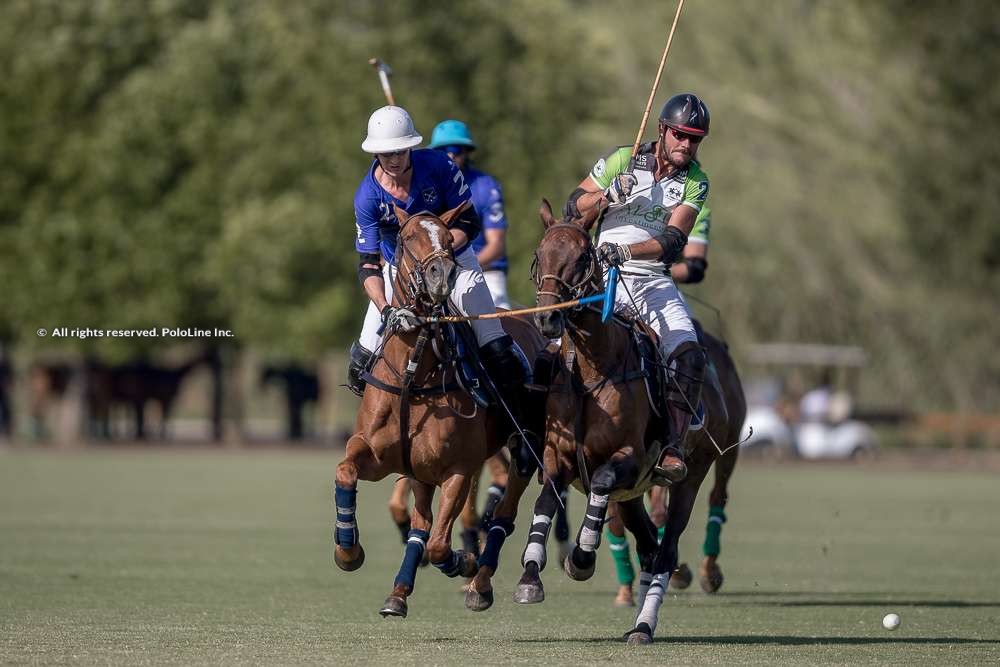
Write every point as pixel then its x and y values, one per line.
pixel 670 474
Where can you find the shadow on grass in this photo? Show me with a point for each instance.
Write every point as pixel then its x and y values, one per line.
pixel 842 599
pixel 778 640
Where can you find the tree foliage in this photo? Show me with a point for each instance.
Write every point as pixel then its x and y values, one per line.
pixel 192 163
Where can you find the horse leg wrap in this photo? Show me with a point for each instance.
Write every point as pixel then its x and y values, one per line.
pixel 493 497
pixel 623 558
pixel 414 553
pixel 562 521
pixel 450 566
pixel 645 579
pixel 590 532
pixel 535 549
pixel 346 534
pixel 716 517
pixel 500 530
pixel 651 601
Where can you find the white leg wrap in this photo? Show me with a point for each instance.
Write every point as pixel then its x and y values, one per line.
pixel 645 578
pixel 650 608
pixel 535 551
pixel 593 522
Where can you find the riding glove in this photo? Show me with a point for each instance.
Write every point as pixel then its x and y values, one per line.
pixel 398 319
pixel 614 254
pixel 620 188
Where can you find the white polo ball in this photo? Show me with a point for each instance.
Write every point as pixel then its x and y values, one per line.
pixel 891 621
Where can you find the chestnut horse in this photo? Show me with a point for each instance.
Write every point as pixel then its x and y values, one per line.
pixel 416 420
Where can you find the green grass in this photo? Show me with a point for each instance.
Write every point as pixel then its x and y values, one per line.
pixel 196 556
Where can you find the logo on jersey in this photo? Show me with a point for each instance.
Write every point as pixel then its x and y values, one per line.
pixel 599 168
pixel 430 196
pixel 641 161
pixel 674 191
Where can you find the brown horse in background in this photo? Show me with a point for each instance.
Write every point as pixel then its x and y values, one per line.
pixel 415 420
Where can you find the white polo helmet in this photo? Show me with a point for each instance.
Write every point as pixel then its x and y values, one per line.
pixel 390 129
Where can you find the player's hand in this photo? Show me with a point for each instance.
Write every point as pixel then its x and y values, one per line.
pixel 621 188
pixel 399 319
pixel 613 254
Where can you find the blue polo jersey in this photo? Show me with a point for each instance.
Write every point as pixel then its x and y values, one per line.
pixel 437 186
pixel 487 198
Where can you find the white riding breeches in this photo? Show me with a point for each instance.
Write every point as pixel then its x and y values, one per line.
pixel 661 306
pixel 497 282
pixel 470 296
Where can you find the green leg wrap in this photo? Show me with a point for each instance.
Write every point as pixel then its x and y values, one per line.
pixel 716 517
pixel 623 558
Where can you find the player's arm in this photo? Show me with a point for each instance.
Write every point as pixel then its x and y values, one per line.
pixel 496 243
pixel 467 225
pixel 366 219
pixel 494 226
pixel 596 192
pixel 693 267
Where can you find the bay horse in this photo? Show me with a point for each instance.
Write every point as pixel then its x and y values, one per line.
pixel 709 573
pixel 601 429
pixel 416 419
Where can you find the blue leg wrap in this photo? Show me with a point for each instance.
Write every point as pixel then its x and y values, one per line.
pixel 346 533
pixel 499 530
pixel 450 566
pixel 412 556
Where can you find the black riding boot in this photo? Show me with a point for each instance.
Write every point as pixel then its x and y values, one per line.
pixel 686 374
pixel 360 358
pixel 510 372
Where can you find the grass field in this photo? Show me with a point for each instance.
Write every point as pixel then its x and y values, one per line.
pixel 199 556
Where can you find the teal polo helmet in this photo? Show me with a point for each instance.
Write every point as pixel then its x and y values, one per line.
pixel 451 133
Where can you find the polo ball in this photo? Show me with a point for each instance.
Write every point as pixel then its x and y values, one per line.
pixel 891 621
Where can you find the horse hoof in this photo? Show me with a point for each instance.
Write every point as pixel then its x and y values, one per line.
pixel 682 577
pixel 638 638
pixel 476 601
pixel 576 572
pixel 394 606
pixel 710 577
pixel 529 593
pixel 343 560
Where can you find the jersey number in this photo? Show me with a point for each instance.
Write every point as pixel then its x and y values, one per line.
pixel 460 179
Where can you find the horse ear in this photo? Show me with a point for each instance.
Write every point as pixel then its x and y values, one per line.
pixel 545 213
pixel 401 215
pixel 448 216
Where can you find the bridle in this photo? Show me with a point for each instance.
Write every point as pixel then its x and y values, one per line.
pixel 572 291
pixel 414 285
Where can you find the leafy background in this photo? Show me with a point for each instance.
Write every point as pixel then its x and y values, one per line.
pixel 192 163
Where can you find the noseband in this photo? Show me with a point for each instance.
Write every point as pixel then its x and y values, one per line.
pixel 577 290
pixel 415 283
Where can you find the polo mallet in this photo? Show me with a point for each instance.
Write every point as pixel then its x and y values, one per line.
pixel 612 282
pixel 656 82
pixel 384 72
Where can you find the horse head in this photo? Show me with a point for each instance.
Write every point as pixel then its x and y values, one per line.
pixel 426 264
pixel 565 268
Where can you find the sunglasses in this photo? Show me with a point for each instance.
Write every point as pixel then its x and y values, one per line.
pixel 681 136
pixel 394 153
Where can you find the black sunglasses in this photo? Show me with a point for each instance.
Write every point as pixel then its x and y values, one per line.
pixel 681 136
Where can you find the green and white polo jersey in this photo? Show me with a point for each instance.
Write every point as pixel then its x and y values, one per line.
pixel 702 226
pixel 646 211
